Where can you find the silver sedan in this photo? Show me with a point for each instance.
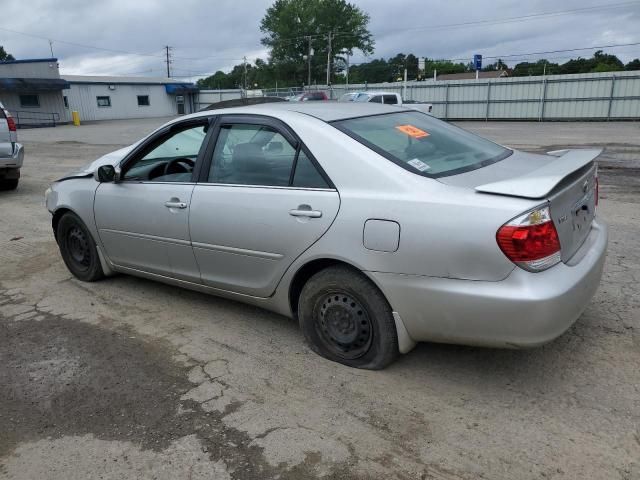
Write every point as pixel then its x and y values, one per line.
pixel 375 227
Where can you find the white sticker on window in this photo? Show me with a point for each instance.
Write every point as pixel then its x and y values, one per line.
pixel 418 164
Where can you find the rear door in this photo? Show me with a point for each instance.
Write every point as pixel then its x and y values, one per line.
pixel 261 201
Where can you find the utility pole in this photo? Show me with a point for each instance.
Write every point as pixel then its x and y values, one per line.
pixel 51 48
pixel 347 69
pixel 329 60
pixel 244 61
pixel 168 60
pixel 309 53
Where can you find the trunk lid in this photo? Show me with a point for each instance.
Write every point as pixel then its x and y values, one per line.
pixel 564 178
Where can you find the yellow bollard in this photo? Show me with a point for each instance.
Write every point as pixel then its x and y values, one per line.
pixel 76 118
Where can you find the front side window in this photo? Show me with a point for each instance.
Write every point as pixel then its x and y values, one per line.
pixel 104 101
pixel 376 99
pixel 29 101
pixel 143 100
pixel 170 158
pixel 423 144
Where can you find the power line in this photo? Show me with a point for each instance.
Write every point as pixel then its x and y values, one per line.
pixel 76 44
pixel 555 51
pixel 520 18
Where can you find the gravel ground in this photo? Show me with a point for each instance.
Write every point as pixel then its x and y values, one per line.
pixel 127 378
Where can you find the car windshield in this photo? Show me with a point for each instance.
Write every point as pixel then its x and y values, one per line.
pixel 347 97
pixel 423 144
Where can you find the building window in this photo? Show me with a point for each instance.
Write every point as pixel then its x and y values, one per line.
pixel 104 101
pixel 143 100
pixel 29 101
pixel 66 101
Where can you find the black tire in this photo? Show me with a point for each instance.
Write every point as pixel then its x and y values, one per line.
pixel 345 318
pixel 9 184
pixel 78 248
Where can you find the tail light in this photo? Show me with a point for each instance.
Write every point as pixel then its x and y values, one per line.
pixel 597 189
pixel 10 121
pixel 531 240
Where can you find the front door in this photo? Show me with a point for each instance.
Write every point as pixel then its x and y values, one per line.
pixel 261 203
pixel 143 220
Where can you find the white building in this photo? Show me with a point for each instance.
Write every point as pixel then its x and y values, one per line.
pixel 110 98
pixel 32 91
pixel 36 94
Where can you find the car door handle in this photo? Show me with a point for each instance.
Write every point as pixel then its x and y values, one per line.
pixel 173 204
pixel 305 211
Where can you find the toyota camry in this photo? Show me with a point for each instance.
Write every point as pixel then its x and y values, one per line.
pixel 374 226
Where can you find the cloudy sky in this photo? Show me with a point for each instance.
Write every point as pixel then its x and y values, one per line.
pixel 126 37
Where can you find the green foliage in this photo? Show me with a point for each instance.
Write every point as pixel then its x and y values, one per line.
pixel 292 26
pixel 600 62
pixel 4 56
pixel 633 65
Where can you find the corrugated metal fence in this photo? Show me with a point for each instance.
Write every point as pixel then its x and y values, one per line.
pixel 587 96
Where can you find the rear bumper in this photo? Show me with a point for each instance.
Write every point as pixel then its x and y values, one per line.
pixel 14 161
pixel 524 310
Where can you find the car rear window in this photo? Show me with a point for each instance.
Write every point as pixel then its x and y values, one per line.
pixel 423 144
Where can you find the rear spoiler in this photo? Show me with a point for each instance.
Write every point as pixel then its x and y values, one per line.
pixel 540 182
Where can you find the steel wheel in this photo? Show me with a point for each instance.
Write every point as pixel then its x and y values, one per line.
pixel 78 248
pixel 344 325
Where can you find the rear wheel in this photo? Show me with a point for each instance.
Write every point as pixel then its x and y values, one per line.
pixel 9 184
pixel 78 248
pixel 345 318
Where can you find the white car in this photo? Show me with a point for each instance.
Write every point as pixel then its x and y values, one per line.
pixel 11 152
pixel 387 98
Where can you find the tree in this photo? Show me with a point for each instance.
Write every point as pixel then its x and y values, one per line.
pixel 292 26
pixel 4 56
pixel 633 65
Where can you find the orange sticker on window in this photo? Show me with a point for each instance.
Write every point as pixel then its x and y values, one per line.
pixel 412 131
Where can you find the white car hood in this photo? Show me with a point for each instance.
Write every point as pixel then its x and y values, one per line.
pixel 113 158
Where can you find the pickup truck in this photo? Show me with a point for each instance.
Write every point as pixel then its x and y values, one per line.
pixel 388 98
pixel 11 152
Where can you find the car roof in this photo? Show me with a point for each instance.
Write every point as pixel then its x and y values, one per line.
pixel 327 111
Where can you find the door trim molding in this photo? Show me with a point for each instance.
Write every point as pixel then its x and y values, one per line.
pixel 238 251
pixel 144 236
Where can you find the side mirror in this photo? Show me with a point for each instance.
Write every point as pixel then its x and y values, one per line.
pixel 105 174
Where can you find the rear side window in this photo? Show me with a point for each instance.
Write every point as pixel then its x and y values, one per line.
pixel 247 154
pixel 251 155
pixel 307 175
pixel 390 99
pixel 423 144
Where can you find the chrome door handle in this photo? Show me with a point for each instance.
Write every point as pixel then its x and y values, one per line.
pixel 175 204
pixel 305 213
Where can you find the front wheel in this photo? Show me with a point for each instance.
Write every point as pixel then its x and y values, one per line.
pixel 345 318
pixel 78 248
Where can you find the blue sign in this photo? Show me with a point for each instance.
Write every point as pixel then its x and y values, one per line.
pixel 477 62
